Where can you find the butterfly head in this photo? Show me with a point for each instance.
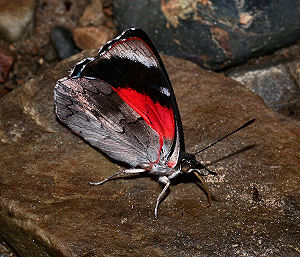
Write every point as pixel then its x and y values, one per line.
pixel 189 164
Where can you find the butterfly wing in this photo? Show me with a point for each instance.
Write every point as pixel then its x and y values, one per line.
pixel 123 103
pixel 93 110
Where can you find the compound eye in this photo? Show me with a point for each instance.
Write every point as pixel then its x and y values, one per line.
pixel 185 166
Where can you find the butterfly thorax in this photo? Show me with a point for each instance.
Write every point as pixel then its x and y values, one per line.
pixel 159 169
pixel 186 164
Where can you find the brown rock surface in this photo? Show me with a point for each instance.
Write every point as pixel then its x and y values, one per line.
pixel 92 37
pixel 6 62
pixel 16 19
pixel 48 208
pixel 93 14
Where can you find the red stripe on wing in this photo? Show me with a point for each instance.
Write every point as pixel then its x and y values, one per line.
pixel 160 118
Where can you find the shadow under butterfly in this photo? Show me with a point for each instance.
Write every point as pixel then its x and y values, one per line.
pixel 122 102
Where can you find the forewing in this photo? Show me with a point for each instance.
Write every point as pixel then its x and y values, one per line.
pixel 92 109
pixel 132 66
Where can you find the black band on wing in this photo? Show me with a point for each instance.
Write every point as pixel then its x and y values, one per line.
pixel 145 80
pixel 121 71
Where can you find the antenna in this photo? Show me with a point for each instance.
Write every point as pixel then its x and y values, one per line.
pixel 232 132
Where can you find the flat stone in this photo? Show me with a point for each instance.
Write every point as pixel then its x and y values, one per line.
pixel 48 208
pixel 16 19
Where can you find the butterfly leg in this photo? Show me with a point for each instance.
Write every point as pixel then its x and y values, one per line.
pixel 167 182
pixel 129 171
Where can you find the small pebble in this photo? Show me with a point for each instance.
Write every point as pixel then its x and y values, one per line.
pixel 92 37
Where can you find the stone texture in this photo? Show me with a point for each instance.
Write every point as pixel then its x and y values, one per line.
pixel 6 62
pixel 16 19
pixel 274 77
pixel 95 26
pixel 213 33
pixel 93 14
pixel 37 49
pixel 48 207
pixel 92 37
pixel 5 251
pixel 275 84
pixel 63 42
pixel 294 69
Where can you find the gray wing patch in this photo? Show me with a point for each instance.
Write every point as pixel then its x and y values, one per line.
pixel 93 110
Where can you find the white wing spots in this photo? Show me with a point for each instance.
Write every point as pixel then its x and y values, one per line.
pixel 165 91
pixel 141 59
pixel 161 89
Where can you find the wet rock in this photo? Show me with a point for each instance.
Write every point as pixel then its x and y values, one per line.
pixel 16 19
pixel 274 84
pixel 92 37
pixel 6 62
pixel 63 42
pixel 214 34
pixel 48 207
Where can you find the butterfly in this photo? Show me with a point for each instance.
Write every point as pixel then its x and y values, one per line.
pixel 122 102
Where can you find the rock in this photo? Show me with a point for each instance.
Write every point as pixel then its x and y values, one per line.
pixel 48 208
pixel 92 37
pixel 281 90
pixel 93 14
pixel 274 84
pixel 3 91
pixel 214 34
pixel 96 28
pixel 16 19
pixel 6 62
pixel 49 53
pixel 5 251
pixel 294 69
pixel 63 42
